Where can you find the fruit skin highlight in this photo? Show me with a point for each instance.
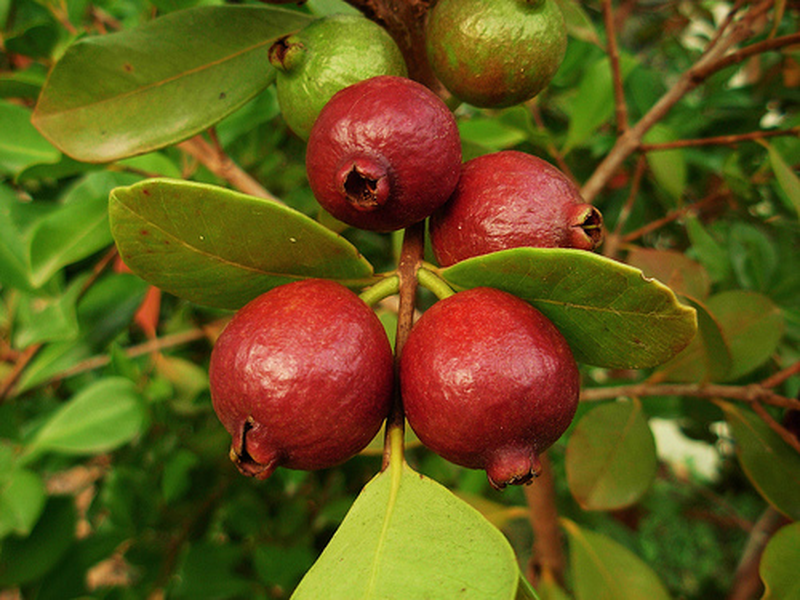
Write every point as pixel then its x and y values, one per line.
pixel 301 377
pixel 488 382
pixel 324 57
pixel 495 53
pixel 383 154
pixel 511 199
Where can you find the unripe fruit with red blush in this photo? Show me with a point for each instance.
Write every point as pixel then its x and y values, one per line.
pixel 488 382
pixel 301 377
pixel 383 154
pixel 511 199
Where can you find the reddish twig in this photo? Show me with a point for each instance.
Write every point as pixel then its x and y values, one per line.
pixel 548 551
pixel 721 140
pixel 672 216
pixel 785 435
pixel 778 378
pixel 747 582
pixel 620 107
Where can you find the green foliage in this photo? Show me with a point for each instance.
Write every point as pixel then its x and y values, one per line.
pixel 114 475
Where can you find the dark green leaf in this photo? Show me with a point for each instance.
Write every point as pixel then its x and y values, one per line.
pixel 20 144
pixel 770 463
pixel 208 573
pixel 406 536
pixel 611 315
pixel 611 457
pixel 605 570
pixel 100 418
pixel 711 254
pixel 171 234
pixel 786 177
pixel 778 567
pixel 753 256
pixel 22 498
pixel 141 89
pixel 14 261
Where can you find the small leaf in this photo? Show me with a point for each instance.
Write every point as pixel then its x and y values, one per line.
pixel 778 568
pixel 668 166
pixel 20 144
pixel 222 248
pixel 22 498
pixel 770 463
pixel 611 315
pixel 137 90
pixel 611 457
pixel 406 536
pixel 787 179
pixel 711 254
pixel 752 325
pixel 605 570
pixel 579 25
pixel 14 261
pixel 100 418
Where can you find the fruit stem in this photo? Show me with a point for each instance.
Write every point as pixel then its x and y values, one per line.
pixel 383 289
pixel 411 255
pixel 431 281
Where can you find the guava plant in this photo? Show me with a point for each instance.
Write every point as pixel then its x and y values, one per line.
pixel 420 251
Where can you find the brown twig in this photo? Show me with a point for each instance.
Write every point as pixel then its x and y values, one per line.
pixel 778 378
pixel 721 140
pixel 411 256
pixel 785 435
pixel 672 216
pixel 548 550
pixel 709 63
pixel 620 107
pixel 613 240
pixel 747 583
pixel 749 394
pixel 221 165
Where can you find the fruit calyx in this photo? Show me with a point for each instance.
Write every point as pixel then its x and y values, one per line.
pixel 586 233
pixel 245 462
pixel 286 53
pixel 513 466
pixel 364 183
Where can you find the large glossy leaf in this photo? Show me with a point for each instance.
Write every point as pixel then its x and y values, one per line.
pixel 778 567
pixel 20 144
pixel 611 315
pixel 222 248
pixel 100 418
pixel 770 463
pixel 602 569
pixel 407 536
pixel 611 457
pixel 134 91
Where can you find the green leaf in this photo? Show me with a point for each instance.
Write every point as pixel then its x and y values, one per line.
pixel 605 570
pixel 771 464
pixel 752 325
pixel 26 559
pixel 208 573
pixel 20 144
pixel 778 567
pixel 787 179
pixel 222 248
pixel 611 457
pixel 78 229
pixel 22 498
pixel 48 319
pixel 667 166
pixel 711 254
pixel 706 358
pixel 579 25
pixel 100 418
pixel 407 536
pixel 611 315
pixel 141 89
pixel 14 260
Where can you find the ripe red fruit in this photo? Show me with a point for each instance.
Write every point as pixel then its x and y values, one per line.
pixel 383 154
pixel 301 377
pixel 510 199
pixel 488 382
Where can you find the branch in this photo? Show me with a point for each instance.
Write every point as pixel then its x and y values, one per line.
pixel 721 140
pixel 709 63
pixel 548 551
pixel 621 108
pixel 747 582
pixel 749 394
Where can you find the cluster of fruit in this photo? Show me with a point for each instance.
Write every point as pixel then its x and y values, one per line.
pixel 303 376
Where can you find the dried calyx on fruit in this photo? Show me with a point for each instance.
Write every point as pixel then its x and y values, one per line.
pixel 301 378
pixel 495 53
pixel 324 57
pixel 510 199
pixel 383 154
pixel 488 382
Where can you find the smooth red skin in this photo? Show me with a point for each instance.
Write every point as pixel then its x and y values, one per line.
pixel 309 366
pixel 505 200
pixel 488 382
pixel 402 130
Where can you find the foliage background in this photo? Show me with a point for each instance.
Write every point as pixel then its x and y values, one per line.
pixel 141 501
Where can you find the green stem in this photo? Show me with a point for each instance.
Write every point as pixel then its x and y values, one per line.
pixel 431 281
pixel 383 289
